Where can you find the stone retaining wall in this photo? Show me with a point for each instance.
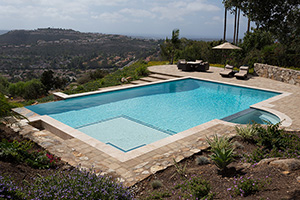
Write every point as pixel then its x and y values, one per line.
pixel 278 73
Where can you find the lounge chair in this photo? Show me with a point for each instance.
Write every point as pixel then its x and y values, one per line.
pixel 181 63
pixel 228 71
pixel 243 73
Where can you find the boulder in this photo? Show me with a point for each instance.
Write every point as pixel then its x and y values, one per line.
pixel 286 164
pixel 266 161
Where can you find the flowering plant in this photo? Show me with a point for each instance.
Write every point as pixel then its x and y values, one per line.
pixel 244 186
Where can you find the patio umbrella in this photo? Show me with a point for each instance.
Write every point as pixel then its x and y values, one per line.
pixel 227 45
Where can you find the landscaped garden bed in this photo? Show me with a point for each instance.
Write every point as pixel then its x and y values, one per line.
pixel 253 174
pixel 244 169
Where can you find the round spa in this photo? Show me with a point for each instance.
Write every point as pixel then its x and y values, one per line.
pixel 253 115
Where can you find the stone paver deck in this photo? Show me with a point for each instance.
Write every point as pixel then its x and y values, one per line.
pixel 133 167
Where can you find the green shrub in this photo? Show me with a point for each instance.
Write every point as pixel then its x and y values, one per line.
pixel 202 160
pixel 274 142
pixel 270 137
pixel 222 150
pixel 15 151
pixel 245 186
pixel 222 142
pixel 142 71
pixel 181 169
pixel 156 184
pixel 247 133
pixel 195 188
pixel 133 72
pixel 5 110
pixel 158 195
pixel 222 157
pixel 33 89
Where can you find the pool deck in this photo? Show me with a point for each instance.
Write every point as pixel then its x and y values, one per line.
pixel 131 167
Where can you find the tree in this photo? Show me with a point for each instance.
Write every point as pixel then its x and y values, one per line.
pixel 280 17
pixel 225 24
pixel 170 46
pixel 234 30
pixel 33 89
pixel 3 84
pixel 47 79
pixel 238 26
pixel 16 89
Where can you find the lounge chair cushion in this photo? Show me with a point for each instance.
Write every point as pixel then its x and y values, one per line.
pixel 243 73
pixel 227 71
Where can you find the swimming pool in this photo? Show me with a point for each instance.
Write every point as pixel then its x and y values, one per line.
pixel 131 118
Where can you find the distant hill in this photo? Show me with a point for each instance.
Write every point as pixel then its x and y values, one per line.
pixel 18 37
pixel 3 31
pixel 26 53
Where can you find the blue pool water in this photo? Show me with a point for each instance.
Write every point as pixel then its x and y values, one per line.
pixel 162 109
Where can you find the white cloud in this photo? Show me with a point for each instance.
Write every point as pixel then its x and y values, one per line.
pixel 110 17
pixel 137 12
pixel 201 5
pixel 180 9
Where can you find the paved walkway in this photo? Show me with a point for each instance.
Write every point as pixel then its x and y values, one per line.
pixel 142 163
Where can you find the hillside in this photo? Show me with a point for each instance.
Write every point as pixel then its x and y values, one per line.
pixel 26 53
pixel 18 37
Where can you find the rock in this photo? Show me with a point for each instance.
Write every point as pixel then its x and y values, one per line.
pixel 141 165
pixel 179 158
pixel 77 154
pixel 298 179
pixel 156 168
pixel 286 164
pixel 121 180
pixel 60 150
pixel 102 174
pixel 110 171
pixel 165 163
pixel 195 150
pixel 243 165
pixel 266 161
pixel 238 145
pixel 138 170
pixel 286 172
pixel 145 172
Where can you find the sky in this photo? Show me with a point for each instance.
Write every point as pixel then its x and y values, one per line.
pixel 194 18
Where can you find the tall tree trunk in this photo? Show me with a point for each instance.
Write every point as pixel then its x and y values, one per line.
pixel 225 23
pixel 248 28
pixel 238 27
pixel 234 31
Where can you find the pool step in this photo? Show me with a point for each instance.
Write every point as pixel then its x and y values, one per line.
pixel 159 76
pixel 149 79
pixel 153 77
pixel 137 82
pixel 168 75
